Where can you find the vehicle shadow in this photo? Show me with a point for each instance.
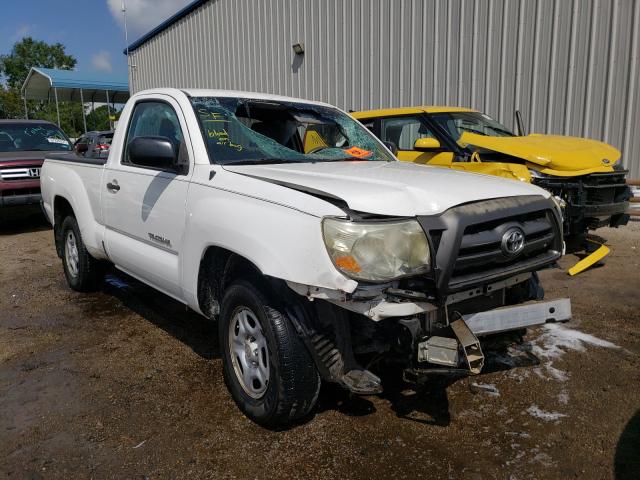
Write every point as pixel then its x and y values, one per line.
pixel 427 404
pixel 192 329
pixel 25 224
pixel 627 457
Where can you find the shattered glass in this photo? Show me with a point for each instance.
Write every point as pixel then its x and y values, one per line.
pixel 251 131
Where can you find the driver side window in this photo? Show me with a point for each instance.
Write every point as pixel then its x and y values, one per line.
pixel 403 131
pixel 154 119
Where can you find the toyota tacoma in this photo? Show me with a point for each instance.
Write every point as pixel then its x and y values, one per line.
pixel 296 229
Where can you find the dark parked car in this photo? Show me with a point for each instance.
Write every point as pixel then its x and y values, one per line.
pixel 23 146
pixel 94 144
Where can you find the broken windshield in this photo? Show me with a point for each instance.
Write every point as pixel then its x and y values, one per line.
pixel 456 123
pixel 250 131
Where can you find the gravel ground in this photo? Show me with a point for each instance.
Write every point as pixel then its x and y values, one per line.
pixel 124 383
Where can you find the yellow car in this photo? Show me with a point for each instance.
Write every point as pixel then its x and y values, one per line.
pixel 584 175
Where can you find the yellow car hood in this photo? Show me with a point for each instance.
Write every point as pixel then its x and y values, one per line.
pixel 552 152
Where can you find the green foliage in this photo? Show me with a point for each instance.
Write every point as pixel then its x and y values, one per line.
pixel 98 119
pixel 29 53
pixel 11 105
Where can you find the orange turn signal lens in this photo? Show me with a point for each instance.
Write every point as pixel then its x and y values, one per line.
pixel 348 263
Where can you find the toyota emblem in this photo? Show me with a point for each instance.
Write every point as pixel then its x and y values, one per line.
pixel 34 172
pixel 512 242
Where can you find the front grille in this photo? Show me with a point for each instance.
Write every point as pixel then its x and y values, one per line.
pixel 481 244
pixel 605 188
pixel 592 201
pixel 19 173
pixel 469 248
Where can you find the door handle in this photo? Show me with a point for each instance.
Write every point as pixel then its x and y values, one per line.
pixel 113 187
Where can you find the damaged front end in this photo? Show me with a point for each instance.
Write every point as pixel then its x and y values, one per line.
pixel 589 202
pixel 431 323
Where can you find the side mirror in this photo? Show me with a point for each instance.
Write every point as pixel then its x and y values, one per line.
pixel 154 152
pixel 426 144
pixel 391 146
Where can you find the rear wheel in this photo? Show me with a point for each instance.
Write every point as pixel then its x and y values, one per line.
pixel 267 368
pixel 82 271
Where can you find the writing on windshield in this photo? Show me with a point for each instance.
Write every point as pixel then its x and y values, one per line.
pixel 20 137
pixel 240 130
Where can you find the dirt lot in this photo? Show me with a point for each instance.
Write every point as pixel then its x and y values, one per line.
pixel 125 383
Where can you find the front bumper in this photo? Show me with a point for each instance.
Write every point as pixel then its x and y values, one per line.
pixel 519 317
pixel 20 200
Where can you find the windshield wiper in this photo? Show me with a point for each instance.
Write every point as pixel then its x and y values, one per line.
pixel 341 159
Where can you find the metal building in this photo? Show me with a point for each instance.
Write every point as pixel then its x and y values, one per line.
pixel 570 66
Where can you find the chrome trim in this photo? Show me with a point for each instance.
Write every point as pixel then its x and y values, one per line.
pixel 521 316
pixel 20 173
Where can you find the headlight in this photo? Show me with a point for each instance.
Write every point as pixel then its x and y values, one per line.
pixel 376 252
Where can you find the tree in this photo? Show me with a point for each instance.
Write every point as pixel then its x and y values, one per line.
pixel 29 53
pixel 98 119
pixel 11 105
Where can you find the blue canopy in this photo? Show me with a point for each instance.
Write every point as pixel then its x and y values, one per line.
pixel 69 85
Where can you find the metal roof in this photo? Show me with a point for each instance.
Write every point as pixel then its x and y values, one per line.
pixel 164 25
pixel 41 84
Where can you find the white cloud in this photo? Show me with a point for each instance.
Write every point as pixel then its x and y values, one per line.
pixel 101 61
pixel 144 15
pixel 22 31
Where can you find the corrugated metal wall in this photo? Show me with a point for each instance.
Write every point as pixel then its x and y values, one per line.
pixel 570 66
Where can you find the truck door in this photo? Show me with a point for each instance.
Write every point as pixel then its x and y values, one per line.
pixel 144 207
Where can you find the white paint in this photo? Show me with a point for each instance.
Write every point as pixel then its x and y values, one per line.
pixel 392 188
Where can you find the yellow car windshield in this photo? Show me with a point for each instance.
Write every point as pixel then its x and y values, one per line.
pixel 456 123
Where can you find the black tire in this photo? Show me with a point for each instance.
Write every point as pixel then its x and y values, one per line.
pixel 294 383
pixel 87 274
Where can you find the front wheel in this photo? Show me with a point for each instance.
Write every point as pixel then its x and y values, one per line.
pixel 267 368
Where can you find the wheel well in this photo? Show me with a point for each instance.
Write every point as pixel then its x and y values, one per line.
pixel 219 267
pixel 61 210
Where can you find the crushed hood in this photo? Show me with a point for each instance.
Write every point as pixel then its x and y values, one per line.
pixel 554 152
pixel 389 188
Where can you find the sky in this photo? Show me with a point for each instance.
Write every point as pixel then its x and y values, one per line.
pixel 91 30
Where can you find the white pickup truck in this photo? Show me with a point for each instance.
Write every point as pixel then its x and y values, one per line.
pixel 297 229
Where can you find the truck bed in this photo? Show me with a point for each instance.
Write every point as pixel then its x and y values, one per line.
pixel 72 157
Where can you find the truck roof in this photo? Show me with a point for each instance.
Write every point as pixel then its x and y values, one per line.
pixel 389 112
pixel 198 92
